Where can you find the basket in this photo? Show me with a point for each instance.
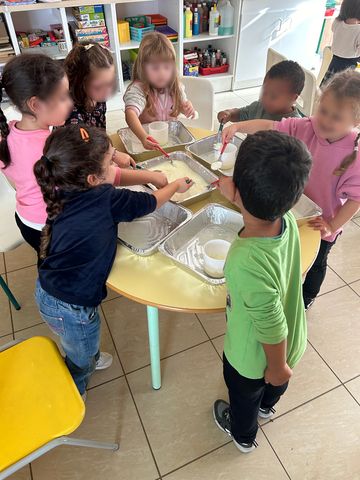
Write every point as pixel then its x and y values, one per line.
pixel 213 71
pixel 137 33
pixel 133 55
pixel 123 31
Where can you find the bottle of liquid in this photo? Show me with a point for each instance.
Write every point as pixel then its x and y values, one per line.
pixel 201 59
pixel 224 59
pixel 188 22
pixel 214 22
pixel 218 57
pixel 201 18
pixel 213 60
pixel 205 17
pixel 226 24
pixel 196 18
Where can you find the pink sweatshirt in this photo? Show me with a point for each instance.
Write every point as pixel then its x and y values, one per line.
pixel 324 188
pixel 26 148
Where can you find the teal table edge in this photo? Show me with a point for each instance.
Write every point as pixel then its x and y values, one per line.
pixel 154 342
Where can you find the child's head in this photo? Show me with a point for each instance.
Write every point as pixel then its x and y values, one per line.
pixel 75 158
pixel 38 87
pixel 91 71
pixel 155 67
pixel 270 173
pixel 349 9
pixel 282 85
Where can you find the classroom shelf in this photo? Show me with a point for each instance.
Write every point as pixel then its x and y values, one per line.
pixel 203 37
pixel 129 45
pixel 66 3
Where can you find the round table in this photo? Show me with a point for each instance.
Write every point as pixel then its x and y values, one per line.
pixel 157 282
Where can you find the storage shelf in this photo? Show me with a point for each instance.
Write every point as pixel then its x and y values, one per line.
pixel 66 3
pixel 203 37
pixel 129 45
pixel 216 76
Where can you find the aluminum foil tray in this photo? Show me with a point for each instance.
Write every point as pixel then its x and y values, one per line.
pixel 179 135
pixel 204 151
pixel 143 235
pixel 305 210
pixel 206 174
pixel 186 246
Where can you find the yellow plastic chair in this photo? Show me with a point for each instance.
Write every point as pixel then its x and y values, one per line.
pixel 39 404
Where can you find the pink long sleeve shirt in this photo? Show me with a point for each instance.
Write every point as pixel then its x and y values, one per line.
pixel 324 188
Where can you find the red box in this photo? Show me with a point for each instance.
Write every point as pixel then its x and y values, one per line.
pixel 213 71
pixel 330 12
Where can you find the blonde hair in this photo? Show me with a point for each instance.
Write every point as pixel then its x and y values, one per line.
pixel 346 86
pixel 156 45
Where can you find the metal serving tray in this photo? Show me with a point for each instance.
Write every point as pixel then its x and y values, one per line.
pixel 143 235
pixel 305 210
pixel 179 136
pixel 186 246
pixel 204 148
pixel 208 176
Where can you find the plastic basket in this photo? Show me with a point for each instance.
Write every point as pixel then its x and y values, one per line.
pixel 214 70
pixel 133 55
pixel 123 31
pixel 138 33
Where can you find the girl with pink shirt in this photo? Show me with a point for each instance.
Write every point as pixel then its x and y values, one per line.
pixel 334 182
pixel 155 92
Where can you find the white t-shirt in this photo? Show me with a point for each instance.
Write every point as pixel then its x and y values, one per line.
pixel 346 41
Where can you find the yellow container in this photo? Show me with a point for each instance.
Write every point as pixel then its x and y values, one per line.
pixel 124 31
pixel 188 22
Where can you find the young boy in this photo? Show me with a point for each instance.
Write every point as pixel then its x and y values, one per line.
pixel 282 85
pixel 266 327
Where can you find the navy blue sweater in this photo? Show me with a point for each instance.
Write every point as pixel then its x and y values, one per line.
pixel 84 239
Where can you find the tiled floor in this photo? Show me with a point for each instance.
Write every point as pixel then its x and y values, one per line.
pixel 170 433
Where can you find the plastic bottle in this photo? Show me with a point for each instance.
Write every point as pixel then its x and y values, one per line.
pixel 188 22
pixel 218 57
pixel 223 60
pixel 196 18
pixel 205 17
pixel 201 18
pixel 226 23
pixel 213 60
pixel 214 22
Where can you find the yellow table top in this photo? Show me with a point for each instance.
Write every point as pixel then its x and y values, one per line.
pixel 157 281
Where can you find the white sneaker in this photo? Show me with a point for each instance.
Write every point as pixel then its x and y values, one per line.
pixel 105 360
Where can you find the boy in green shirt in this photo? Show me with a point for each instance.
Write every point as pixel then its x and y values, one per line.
pixel 266 326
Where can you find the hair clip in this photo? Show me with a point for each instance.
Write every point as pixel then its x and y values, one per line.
pixel 356 149
pixel 84 135
pixel 87 47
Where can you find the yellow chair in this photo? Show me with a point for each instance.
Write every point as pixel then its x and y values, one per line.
pixel 39 404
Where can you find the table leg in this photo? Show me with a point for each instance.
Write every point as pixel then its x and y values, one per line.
pixel 153 325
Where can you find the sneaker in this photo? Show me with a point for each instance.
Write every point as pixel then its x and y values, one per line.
pixel 221 412
pixel 266 412
pixel 83 396
pixel 105 360
pixel 309 304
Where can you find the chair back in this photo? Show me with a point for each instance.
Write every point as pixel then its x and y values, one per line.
pixel 10 236
pixel 200 91
pixel 327 57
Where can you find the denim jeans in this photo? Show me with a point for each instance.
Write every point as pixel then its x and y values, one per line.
pixel 79 330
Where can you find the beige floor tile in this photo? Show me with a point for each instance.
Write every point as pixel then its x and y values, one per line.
pixel 357 215
pixel 128 324
pixel 106 345
pixel 250 98
pixel 320 440
pixel 235 102
pixel 331 282
pixel 115 115
pixel 178 418
pixel 110 417
pixel 227 463
pixel 2 264
pixel 6 339
pixel 23 283
pixel 5 318
pixel 111 294
pixel 219 344
pixel 214 323
pixel 21 257
pixel 244 92
pixel 354 387
pixel 343 259
pixel 113 126
pixel 333 328
pixel 219 97
pixel 22 474
pixel 356 286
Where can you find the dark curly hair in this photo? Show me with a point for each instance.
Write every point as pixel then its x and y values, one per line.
pixel 290 71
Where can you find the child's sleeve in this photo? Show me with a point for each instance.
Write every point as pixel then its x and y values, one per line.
pixel 127 205
pixel 117 177
pixel 243 114
pixel 184 97
pixel 288 125
pixel 135 99
pixel 348 187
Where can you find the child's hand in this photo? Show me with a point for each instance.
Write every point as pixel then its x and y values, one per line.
pixel 183 185
pixel 123 160
pixel 324 227
pixel 278 377
pixel 148 144
pixel 228 133
pixel 159 179
pixel 224 116
pixel 227 188
pixel 188 110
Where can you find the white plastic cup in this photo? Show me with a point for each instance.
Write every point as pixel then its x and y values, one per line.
pixel 159 131
pixel 229 156
pixel 215 252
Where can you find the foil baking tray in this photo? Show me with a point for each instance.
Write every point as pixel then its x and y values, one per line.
pixel 185 247
pixel 179 136
pixel 143 235
pixel 305 210
pixel 197 167
pixel 204 151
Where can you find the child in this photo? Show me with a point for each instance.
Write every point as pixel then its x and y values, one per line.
pixel 282 85
pixel 39 89
pixel 266 326
pixel 334 182
pixel 155 92
pixel 76 176
pixel 92 79
pixel 346 41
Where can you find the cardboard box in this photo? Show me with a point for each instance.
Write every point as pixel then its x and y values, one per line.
pixel 89 9
pixel 94 38
pixel 88 16
pixel 90 23
pixel 84 32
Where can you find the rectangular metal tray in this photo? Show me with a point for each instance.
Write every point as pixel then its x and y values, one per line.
pixel 305 210
pixel 197 167
pixel 143 235
pixel 202 150
pixel 186 246
pixel 179 136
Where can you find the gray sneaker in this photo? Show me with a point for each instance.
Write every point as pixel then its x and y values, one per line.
pixel 266 412
pixel 221 412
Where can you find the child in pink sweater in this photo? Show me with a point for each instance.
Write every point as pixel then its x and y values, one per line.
pixel 334 183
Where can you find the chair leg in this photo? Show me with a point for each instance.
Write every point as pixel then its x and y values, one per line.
pixel 153 326
pixel 9 294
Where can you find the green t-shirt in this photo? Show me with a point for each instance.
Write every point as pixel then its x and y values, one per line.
pixel 256 111
pixel 264 302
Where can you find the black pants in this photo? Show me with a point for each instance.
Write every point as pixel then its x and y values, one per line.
pixel 317 272
pixel 31 236
pixel 246 397
pixel 338 64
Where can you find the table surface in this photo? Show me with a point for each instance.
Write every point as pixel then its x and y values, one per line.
pixel 158 282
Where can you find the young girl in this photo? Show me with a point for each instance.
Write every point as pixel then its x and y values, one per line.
pixel 39 89
pixel 346 41
pixel 92 79
pixel 76 176
pixel 334 182
pixel 155 92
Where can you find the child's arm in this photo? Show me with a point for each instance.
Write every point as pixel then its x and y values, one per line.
pixel 140 177
pixel 234 115
pixel 188 109
pixel 134 123
pixel 179 185
pixel 252 126
pixel 123 160
pixel 277 371
pixel 346 212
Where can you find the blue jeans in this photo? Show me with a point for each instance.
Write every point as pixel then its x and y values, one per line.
pixel 79 330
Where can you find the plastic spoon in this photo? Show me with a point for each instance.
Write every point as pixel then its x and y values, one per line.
pixel 159 148
pixel 139 167
pixel 218 164
pixel 218 143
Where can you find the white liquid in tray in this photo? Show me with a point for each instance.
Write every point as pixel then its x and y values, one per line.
pixel 180 170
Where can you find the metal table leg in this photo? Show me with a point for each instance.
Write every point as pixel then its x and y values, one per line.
pixel 153 325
